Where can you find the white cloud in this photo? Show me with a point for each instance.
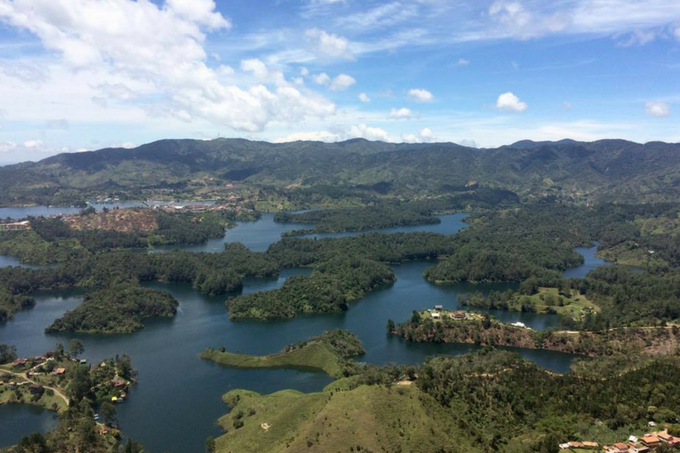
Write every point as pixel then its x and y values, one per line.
pixel 567 105
pixel 321 136
pixel 425 135
pixel 420 95
pixel 363 97
pixel 639 38
pixel 463 62
pixel 522 22
pixel 322 79
pixel 677 33
pixel 329 46
pixel 32 143
pixel 510 103
pixel 162 47
pixel 385 15
pixel 469 143
pixel 339 83
pixel 342 82
pixel 369 133
pixel 402 114
pixel 657 109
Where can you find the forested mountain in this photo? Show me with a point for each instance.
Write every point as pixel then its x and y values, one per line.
pixel 602 170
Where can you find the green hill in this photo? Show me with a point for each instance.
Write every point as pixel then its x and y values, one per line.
pixel 604 170
pixel 367 418
pixel 327 352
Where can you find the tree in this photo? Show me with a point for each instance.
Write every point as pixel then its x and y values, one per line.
pixel 124 366
pixel 108 413
pixel 80 382
pixel 210 445
pixel 59 351
pixel 75 348
pixel 8 353
pixel 390 326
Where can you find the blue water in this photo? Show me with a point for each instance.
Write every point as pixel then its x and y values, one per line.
pixel 591 262
pixel 259 235
pixel 20 420
pixel 37 211
pixel 176 402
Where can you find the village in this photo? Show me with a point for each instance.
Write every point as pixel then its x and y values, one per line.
pixel 650 442
pixel 50 381
pixel 438 313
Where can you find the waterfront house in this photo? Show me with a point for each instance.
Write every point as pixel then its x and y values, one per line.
pixel 439 307
pixel 118 383
pixel 650 440
pixel 16 226
pixel 60 371
pixel 19 362
pixel 458 315
pixel 436 315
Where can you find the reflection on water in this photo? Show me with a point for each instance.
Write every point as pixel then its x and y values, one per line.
pixel 18 420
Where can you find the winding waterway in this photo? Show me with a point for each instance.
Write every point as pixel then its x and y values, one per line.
pixel 176 402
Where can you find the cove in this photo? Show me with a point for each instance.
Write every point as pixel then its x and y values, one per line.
pixel 19 420
pixel 259 235
pixel 177 401
pixel 37 211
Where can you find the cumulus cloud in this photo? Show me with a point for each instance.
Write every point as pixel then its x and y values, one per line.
pixel 342 82
pixel 321 79
pixel 657 109
pixel 163 45
pixel 363 97
pixel 425 135
pixel 402 114
pixel 339 83
pixel 420 95
pixel 508 102
pixel 329 46
pixel 320 136
pixel 463 62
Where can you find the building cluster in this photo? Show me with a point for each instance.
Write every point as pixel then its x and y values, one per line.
pixel 438 312
pixel 16 226
pixel 648 443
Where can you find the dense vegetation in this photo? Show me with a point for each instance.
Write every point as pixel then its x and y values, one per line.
pixel 52 240
pixel 513 245
pixel 327 352
pixel 357 219
pixel 568 170
pixel 330 288
pixel 481 391
pixel 117 309
pixel 469 403
pixel 489 332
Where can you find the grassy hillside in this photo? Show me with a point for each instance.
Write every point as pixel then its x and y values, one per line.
pixel 606 170
pixel 367 418
pixel 316 356
pixel 327 352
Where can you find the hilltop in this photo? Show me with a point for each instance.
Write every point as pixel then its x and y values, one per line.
pixel 602 170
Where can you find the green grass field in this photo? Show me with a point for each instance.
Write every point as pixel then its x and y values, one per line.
pixel 317 356
pixel 368 418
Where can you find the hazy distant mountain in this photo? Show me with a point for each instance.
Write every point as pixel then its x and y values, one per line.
pixel 607 169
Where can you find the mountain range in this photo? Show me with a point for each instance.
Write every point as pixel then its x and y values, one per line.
pixel 606 170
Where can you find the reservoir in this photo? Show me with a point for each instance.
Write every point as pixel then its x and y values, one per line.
pixel 176 403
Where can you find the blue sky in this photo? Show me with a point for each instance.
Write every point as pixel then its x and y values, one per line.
pixel 86 74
